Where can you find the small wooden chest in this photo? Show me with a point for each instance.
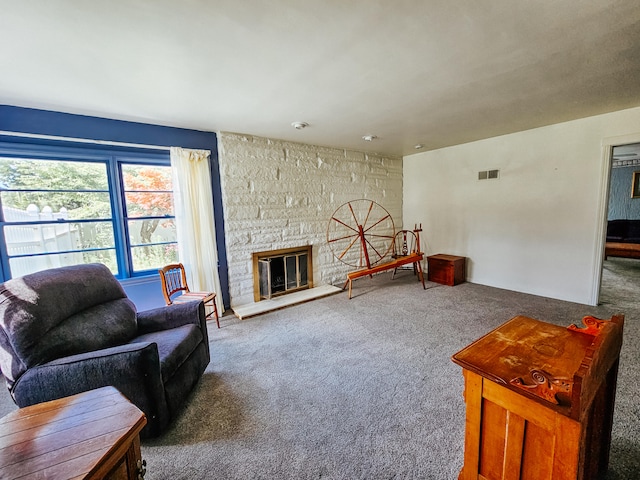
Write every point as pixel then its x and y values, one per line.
pixel 446 269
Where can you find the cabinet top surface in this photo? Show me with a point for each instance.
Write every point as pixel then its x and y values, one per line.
pixel 68 437
pixel 444 256
pixel 521 345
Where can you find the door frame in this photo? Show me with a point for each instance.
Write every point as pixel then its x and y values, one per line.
pixel 603 206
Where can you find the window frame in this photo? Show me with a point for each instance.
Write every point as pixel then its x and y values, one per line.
pixel 126 218
pixel 113 157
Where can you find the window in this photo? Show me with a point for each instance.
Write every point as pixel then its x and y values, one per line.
pixel 149 215
pixel 66 206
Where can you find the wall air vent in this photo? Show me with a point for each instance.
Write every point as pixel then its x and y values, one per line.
pixel 487 174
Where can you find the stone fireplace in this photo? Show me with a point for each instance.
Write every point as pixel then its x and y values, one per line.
pixel 278 272
pixel 279 194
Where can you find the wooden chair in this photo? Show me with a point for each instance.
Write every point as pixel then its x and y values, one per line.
pixel 174 280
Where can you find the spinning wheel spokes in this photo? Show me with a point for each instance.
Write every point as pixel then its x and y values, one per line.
pixel 379 254
pixel 381 220
pixel 348 247
pixel 360 233
pixel 368 213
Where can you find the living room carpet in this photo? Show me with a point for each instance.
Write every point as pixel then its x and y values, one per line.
pixel 364 388
pixel 361 388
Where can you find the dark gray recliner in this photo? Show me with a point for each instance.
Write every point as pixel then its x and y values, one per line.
pixel 72 329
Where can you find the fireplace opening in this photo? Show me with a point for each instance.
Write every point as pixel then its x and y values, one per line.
pixel 277 272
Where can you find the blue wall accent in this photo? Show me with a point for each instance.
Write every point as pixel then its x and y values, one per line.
pixel 621 205
pixel 145 293
pixel 44 122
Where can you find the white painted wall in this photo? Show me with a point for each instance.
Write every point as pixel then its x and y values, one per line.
pixel 279 194
pixel 538 228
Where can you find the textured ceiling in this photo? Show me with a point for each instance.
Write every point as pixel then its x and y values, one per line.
pixel 432 72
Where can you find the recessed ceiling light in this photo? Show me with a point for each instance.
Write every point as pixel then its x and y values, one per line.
pixel 369 138
pixel 299 125
pixel 418 146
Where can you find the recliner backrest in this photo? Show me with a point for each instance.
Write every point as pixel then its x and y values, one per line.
pixel 60 312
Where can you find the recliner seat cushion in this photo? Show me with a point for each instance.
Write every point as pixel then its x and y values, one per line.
pixel 174 346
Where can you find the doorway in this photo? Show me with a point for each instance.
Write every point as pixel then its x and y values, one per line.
pixel 620 280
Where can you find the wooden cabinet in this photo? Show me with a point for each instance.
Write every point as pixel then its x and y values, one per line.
pixel 540 399
pixel 93 435
pixel 446 269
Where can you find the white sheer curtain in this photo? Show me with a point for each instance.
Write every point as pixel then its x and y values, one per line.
pixel 195 224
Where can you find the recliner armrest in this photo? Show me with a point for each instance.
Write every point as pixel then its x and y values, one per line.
pixel 172 316
pixel 134 369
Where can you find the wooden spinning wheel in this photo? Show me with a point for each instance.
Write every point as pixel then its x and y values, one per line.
pixel 360 233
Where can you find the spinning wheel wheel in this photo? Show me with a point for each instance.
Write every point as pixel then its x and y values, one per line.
pixel 360 233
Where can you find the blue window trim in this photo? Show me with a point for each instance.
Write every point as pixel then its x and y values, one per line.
pixel 46 122
pixel 113 157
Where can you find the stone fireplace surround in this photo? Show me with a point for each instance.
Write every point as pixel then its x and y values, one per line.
pixel 278 195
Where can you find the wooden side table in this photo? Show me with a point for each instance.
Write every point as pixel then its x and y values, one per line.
pixel 540 400
pixel 93 435
pixel 446 269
